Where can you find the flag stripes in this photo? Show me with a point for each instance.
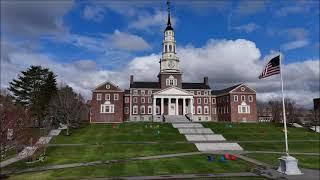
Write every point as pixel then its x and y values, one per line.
pixel 272 68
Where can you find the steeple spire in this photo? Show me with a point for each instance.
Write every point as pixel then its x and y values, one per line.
pixel 169 27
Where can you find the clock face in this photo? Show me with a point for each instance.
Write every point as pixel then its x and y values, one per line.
pixel 171 64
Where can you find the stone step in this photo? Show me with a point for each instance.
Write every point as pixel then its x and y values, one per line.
pixel 187 125
pixel 195 131
pixel 205 137
pixel 218 147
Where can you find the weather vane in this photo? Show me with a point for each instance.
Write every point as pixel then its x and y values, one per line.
pixel 168 4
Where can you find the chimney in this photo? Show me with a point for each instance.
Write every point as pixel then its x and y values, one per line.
pixel 131 79
pixel 205 80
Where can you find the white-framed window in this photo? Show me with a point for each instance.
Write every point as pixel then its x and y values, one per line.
pixel 206 109
pixel 149 92
pixel 142 92
pixel 135 100
pixel 243 88
pixel 235 98
pixel 142 110
pixel 135 110
pixel 213 100
pixel 108 86
pixel 214 110
pixel 107 97
pixel 243 98
pixel 198 92
pixel 149 100
pixel 250 98
pixel 106 108
pixel 149 109
pixel 157 109
pixel 199 100
pixel 126 110
pixel 205 100
pixel 135 92
pixel 126 99
pixel 143 100
pixel 243 108
pixel 99 95
pixel 116 96
pixel 199 110
pixel 205 92
pixel 171 81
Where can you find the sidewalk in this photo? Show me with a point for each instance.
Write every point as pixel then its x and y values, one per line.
pixel 30 150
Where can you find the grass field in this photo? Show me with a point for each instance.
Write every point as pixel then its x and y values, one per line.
pixel 268 132
pixel 125 132
pixel 175 165
pixel 304 161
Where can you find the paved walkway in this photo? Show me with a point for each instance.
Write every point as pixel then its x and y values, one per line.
pixel 204 138
pixel 30 150
pixel 186 176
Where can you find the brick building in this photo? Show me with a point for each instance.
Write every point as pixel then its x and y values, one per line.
pixel 170 96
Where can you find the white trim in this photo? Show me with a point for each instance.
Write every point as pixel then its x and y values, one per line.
pixel 105 82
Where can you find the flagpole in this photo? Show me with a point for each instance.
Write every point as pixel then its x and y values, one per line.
pixel 284 110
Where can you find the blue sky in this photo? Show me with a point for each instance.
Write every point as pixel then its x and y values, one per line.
pixel 108 40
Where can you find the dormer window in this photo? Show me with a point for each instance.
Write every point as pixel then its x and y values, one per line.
pixel 171 81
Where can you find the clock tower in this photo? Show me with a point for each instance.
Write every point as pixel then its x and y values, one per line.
pixel 170 73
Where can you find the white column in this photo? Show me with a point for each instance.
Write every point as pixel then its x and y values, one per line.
pixel 191 106
pixel 184 106
pixel 169 105
pixel 162 106
pixel 154 106
pixel 177 107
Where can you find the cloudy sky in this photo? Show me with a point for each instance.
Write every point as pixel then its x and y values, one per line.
pixel 86 43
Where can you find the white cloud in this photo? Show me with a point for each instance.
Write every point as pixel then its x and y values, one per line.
pixel 284 11
pixel 248 7
pixel 226 62
pixel 95 13
pixel 126 41
pixel 34 18
pixel 248 28
pixel 294 44
pixel 147 21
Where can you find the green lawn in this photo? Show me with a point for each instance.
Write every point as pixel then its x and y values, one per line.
pixel 73 154
pixel 304 161
pixel 125 132
pixel 174 165
pixel 269 132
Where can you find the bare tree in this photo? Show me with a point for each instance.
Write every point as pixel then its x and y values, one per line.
pixel 15 122
pixel 66 107
pixel 276 107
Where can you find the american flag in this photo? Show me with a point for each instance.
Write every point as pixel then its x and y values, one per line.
pixel 272 68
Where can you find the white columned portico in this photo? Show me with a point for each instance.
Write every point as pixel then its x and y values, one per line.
pixel 162 106
pixel 177 106
pixel 154 112
pixel 169 105
pixel 184 106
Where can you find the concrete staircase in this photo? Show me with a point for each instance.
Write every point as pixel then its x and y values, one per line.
pixel 204 138
pixel 176 119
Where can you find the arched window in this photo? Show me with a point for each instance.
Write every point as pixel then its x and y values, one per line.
pixel 174 49
pixel 166 48
pixel 170 48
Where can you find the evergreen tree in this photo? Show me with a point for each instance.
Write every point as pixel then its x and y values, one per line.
pixel 33 89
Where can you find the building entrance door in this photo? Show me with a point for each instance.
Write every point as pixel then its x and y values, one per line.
pixel 172 109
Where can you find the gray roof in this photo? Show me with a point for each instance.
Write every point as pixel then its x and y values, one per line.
pixel 152 85
pixel 195 86
pixel 223 91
